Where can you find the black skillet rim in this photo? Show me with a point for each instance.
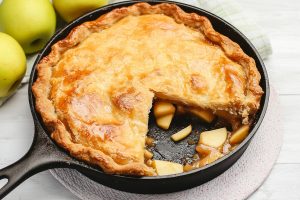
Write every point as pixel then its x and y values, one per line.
pixel 264 101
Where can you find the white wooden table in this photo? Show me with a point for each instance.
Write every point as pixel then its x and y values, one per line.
pixel 281 20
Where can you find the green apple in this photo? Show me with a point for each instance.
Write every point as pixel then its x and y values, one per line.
pixel 12 64
pixel 30 22
pixel 71 9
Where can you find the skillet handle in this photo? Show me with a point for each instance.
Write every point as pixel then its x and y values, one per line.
pixel 42 155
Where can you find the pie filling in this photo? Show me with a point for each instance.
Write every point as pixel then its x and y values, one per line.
pixel 96 94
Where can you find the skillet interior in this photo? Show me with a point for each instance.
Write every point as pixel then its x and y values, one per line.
pixel 166 149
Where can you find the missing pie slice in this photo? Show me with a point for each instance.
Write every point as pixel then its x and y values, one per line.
pixel 95 89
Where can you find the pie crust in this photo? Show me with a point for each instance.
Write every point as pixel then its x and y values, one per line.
pixel 95 89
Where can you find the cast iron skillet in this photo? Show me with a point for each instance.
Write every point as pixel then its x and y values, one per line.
pixel 45 154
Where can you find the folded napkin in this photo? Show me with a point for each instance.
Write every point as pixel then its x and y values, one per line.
pixel 226 9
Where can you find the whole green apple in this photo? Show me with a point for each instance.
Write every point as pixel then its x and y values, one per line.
pixel 71 9
pixel 12 64
pixel 30 22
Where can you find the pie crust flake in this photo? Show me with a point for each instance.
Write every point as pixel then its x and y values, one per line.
pixel 95 89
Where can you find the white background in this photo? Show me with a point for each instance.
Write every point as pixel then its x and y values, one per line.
pixel 281 20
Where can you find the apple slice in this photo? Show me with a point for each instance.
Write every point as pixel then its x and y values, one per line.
pixel 148 155
pixel 212 157
pixel 204 150
pixel 188 167
pixel 182 134
pixel 214 138
pixel 239 135
pixel 166 167
pixel 150 142
pixel 233 147
pixel 162 108
pixel 165 121
pixel 149 163
pixel 204 115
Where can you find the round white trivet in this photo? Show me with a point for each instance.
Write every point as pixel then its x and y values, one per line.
pixel 238 182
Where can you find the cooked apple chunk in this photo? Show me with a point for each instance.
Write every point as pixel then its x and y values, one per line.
pixel 148 155
pixel 189 167
pixel 164 113
pixel 207 159
pixel 149 163
pixel 180 135
pixel 162 108
pixel 204 115
pixel 212 157
pixel 150 142
pixel 239 135
pixel 166 167
pixel 204 150
pixel 214 138
pixel 165 121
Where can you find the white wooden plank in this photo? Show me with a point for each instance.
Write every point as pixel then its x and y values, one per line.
pixel 283 183
pixel 42 186
pixel 13 150
pixel 16 129
pixel 290 151
pixel 16 108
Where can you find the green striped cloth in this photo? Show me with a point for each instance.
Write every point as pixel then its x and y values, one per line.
pixel 229 10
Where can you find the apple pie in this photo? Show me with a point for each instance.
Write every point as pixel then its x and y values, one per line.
pixel 95 89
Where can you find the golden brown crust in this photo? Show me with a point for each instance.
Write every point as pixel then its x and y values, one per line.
pixel 42 86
